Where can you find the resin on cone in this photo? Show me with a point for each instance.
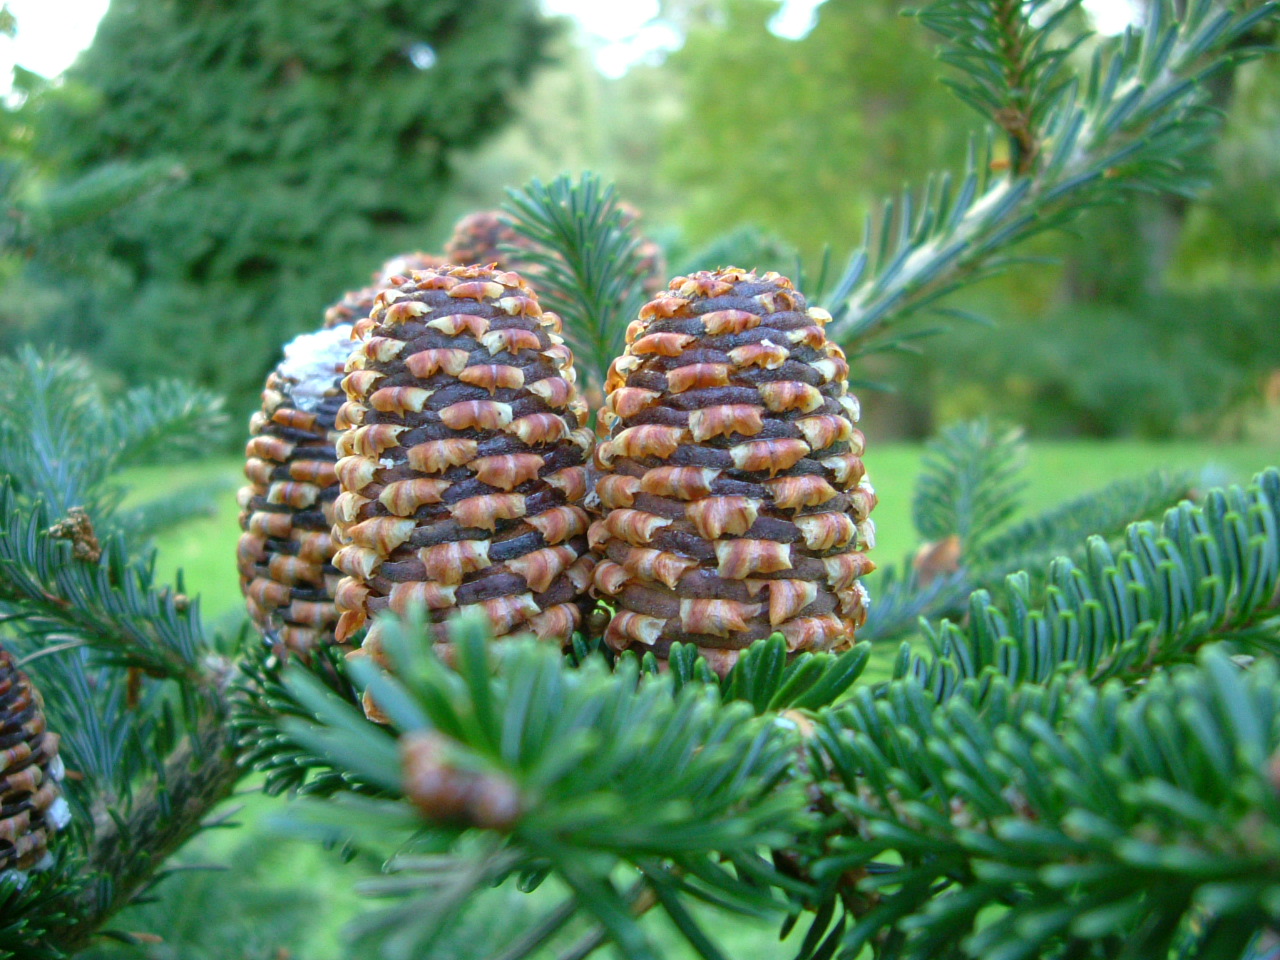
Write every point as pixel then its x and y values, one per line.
pixel 462 464
pixel 732 498
pixel 32 808
pixel 286 514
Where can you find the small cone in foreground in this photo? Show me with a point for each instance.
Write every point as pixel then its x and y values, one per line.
pixel 730 494
pixel 32 808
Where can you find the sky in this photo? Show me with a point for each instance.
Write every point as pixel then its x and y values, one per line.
pixel 621 32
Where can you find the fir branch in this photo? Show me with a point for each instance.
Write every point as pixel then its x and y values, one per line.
pixel 129 847
pixel 1137 122
pixel 1098 823
pixel 587 264
pixel 1105 512
pixel 111 603
pixel 577 771
pixel 1009 72
pixel 164 422
pixel 969 485
pixel 1206 573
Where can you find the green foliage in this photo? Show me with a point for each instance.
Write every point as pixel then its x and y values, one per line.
pixel 803 136
pixel 587 264
pixel 1151 365
pixel 970 483
pixel 1098 822
pixel 1207 573
pixel 62 440
pixel 131 678
pixel 313 147
pixel 1137 121
pixel 967 492
pixel 586 770
pixel 992 771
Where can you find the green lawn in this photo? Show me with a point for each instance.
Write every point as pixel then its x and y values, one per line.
pixel 295 898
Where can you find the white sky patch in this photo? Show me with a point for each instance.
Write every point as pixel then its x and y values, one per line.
pixel 1112 16
pixel 51 34
pixel 621 33
pixel 796 18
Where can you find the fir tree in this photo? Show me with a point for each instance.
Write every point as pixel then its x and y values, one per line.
pixel 1081 766
pixel 315 137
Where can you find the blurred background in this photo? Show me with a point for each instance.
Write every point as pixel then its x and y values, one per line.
pixel 186 184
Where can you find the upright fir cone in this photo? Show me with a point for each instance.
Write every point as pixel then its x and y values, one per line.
pixel 478 238
pixel 731 490
pixel 32 808
pixel 285 552
pixel 462 461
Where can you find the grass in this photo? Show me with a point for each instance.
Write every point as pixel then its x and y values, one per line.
pixel 281 898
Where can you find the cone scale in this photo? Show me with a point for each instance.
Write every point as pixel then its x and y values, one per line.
pixel 31 805
pixel 730 493
pixel 462 464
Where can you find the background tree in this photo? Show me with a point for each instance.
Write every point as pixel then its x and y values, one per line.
pixel 316 138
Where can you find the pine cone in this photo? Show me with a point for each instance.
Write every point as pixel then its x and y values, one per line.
pixel 32 808
pixel 462 461
pixel 287 510
pixel 731 492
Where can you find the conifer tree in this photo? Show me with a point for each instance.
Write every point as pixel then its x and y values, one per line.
pixel 1080 764
pixel 316 137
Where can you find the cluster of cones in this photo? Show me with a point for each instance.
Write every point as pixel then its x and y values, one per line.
pixel 429 447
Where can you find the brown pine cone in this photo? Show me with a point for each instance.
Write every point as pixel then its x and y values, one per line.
pixel 285 551
pixel 32 808
pixel 462 461
pixel 731 492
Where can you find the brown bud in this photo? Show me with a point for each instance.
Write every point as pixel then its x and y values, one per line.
pixel 444 792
